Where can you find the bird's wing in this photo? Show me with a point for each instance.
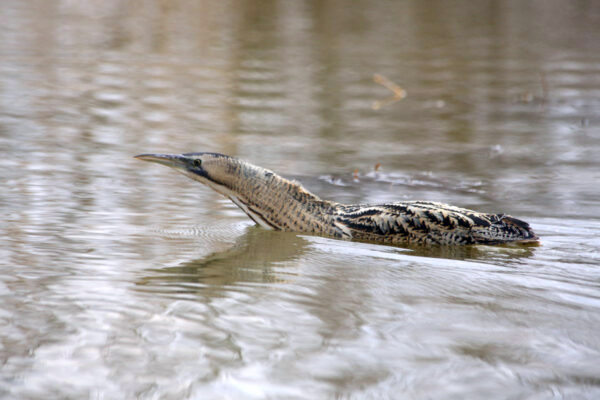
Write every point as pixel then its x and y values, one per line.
pixel 431 222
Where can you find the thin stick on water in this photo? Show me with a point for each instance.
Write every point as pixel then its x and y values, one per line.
pixel 399 93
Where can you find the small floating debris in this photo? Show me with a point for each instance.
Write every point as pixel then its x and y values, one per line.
pixel 399 93
pixel 528 97
pixel 495 151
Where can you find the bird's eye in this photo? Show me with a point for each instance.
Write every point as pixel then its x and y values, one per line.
pixel 197 163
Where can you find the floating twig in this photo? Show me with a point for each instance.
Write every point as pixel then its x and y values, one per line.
pixel 399 93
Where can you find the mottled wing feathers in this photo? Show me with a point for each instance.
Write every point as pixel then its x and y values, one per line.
pixel 430 223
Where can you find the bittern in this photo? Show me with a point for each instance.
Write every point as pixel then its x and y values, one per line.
pixel 274 202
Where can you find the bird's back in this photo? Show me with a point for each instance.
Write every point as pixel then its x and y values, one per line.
pixel 426 222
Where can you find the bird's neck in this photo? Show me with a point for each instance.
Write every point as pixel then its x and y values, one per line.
pixel 278 203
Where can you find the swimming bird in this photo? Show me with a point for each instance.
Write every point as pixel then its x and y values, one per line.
pixel 274 202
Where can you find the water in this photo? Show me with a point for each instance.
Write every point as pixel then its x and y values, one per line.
pixel 122 279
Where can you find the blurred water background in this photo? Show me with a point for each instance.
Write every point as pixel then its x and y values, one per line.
pixel 122 279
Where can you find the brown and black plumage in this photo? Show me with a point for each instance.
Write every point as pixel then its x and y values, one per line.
pixel 276 203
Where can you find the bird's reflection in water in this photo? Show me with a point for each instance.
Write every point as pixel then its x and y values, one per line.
pixel 508 254
pixel 249 261
pixel 255 254
pixel 482 253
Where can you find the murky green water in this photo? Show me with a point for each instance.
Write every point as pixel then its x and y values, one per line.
pixel 122 279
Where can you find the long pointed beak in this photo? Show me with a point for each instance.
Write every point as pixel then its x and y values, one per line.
pixel 176 161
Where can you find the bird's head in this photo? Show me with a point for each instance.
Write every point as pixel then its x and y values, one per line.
pixel 212 169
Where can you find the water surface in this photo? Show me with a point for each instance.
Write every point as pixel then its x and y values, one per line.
pixel 122 279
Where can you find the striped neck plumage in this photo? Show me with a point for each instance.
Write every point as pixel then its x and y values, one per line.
pixel 267 198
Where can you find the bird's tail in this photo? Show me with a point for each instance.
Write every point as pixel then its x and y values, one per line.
pixel 504 229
